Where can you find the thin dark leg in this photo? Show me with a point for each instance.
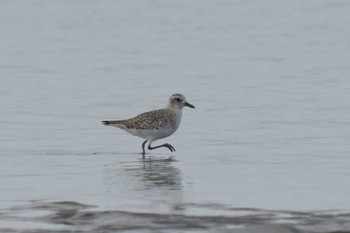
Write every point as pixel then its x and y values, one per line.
pixel 170 147
pixel 143 149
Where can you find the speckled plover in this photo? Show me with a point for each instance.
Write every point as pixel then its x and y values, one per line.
pixel 155 124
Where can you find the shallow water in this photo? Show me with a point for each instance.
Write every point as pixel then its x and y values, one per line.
pixel 266 145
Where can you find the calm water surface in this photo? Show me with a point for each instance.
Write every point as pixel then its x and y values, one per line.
pixel 268 142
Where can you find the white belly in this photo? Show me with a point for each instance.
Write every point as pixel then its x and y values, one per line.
pixel 152 135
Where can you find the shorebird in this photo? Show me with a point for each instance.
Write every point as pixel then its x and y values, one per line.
pixel 156 124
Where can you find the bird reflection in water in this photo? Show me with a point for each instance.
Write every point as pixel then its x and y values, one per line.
pixel 157 172
pixel 161 173
pixel 152 175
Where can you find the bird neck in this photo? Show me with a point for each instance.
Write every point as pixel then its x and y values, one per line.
pixel 175 108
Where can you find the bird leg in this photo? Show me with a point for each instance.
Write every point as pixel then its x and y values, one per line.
pixel 170 147
pixel 143 149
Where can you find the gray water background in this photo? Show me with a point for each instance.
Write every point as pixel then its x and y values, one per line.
pixel 270 132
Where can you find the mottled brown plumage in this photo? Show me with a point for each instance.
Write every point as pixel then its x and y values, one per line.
pixel 156 119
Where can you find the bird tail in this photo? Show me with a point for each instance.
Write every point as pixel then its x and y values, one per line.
pixel 110 122
pixel 113 123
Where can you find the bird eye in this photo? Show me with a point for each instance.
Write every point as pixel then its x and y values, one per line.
pixel 178 99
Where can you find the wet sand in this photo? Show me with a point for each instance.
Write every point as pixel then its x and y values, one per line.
pixel 77 217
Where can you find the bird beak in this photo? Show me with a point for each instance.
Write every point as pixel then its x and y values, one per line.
pixel 189 105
